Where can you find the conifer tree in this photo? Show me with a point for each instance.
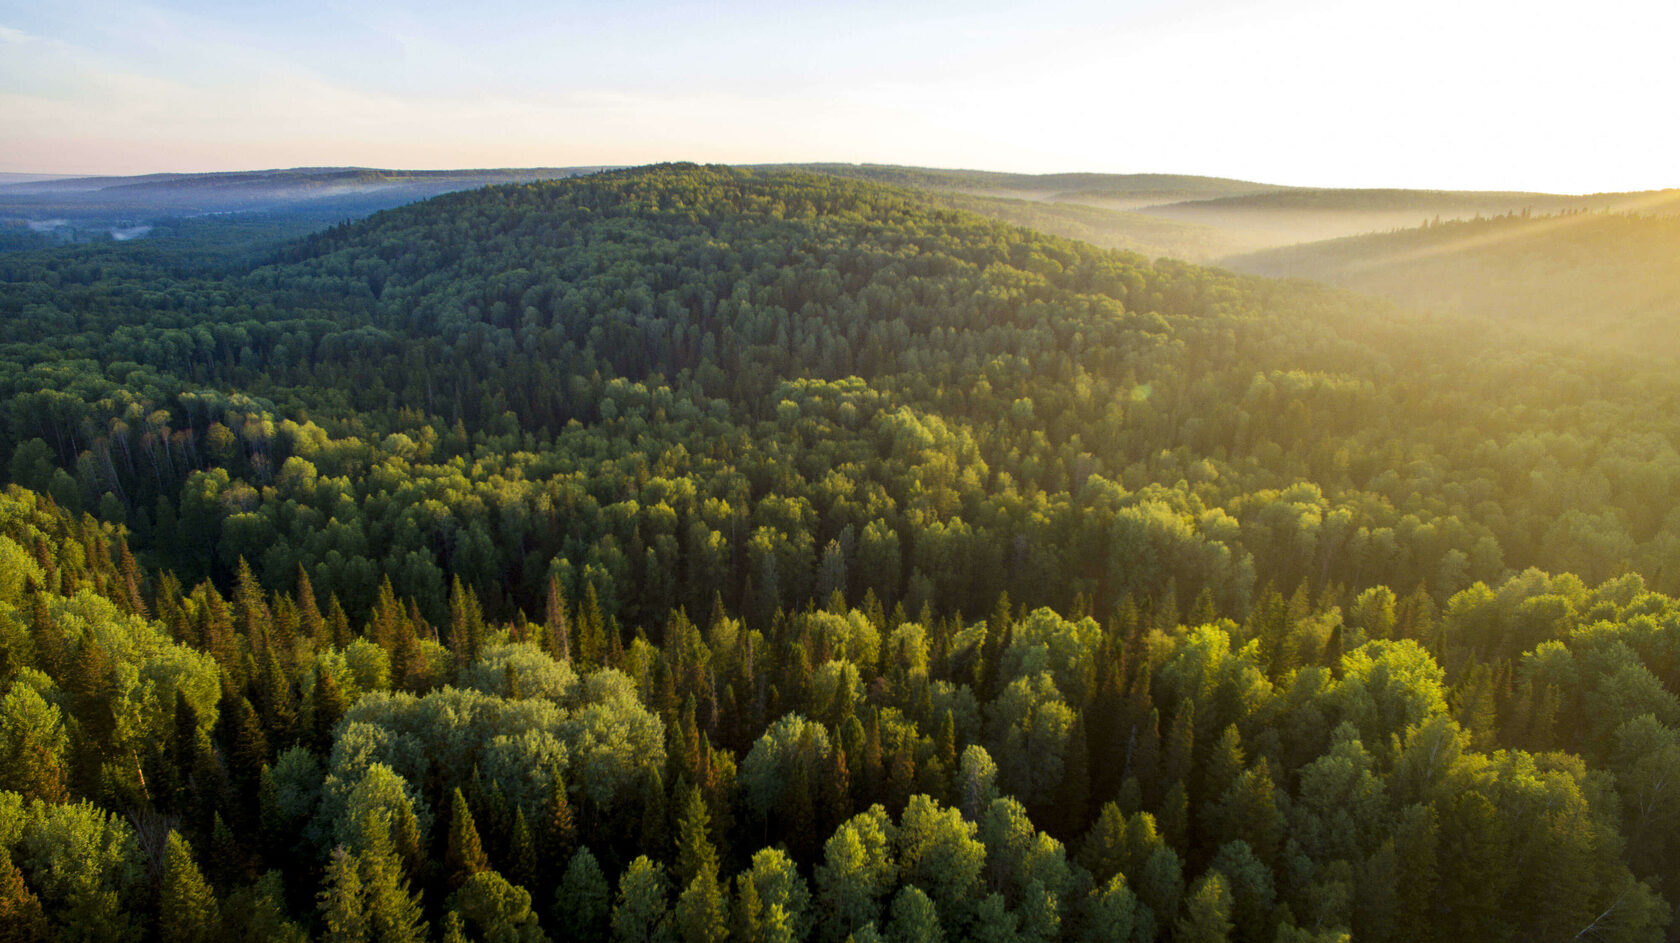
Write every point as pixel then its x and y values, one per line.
pixel 748 920
pixel 522 852
pixel 464 853
pixel 695 852
pixel 591 629
pixel 1207 912
pixel 187 909
pixel 557 637
pixel 252 617
pixel 311 624
pixel 343 902
pixel 131 582
pixel 338 623
pixel 394 913
pixel 1073 794
pixel 21 917
pixel 583 899
pixel 641 913
pixel 327 707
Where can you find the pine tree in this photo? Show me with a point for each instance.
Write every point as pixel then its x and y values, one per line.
pixel 131 581
pixel 338 623
pixel 252 617
pixel 326 709
pixel 702 911
pixel 582 901
pixel 394 914
pixel 1178 760
pixel 655 832
pixel 749 910
pixel 21 917
pixel 522 852
pixel 641 913
pixel 464 855
pixel 311 624
pixel 591 629
pixel 836 788
pixel 559 831
pixel 247 745
pixel 276 702
pixel 695 852
pixel 342 901
pixel 999 627
pixel 187 910
pixel 1207 912
pixel 557 638
pixel 1175 816
pixel 466 624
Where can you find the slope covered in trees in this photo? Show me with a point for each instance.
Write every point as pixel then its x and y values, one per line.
pixel 701 554
pixel 1600 278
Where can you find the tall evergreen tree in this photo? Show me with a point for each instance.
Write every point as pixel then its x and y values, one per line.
pixel 187 908
pixel 464 852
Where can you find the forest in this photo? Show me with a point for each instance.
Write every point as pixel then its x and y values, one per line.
pixel 700 554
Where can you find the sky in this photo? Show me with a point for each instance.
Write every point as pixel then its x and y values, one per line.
pixel 1459 94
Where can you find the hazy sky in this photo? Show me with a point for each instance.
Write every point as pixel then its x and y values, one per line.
pixel 1519 94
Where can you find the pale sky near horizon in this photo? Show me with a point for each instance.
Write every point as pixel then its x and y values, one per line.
pixel 1469 94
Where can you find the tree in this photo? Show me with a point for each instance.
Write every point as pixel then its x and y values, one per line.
pixel 582 900
pixel 393 913
pixel 522 851
pixel 915 918
pixel 641 914
pixel 559 830
pixel 343 902
pixel 1110 912
pixel 702 912
pixel 495 911
pixel 781 889
pixel 1207 912
pixel 187 909
pixel 21 917
pixel 857 870
pixel 464 853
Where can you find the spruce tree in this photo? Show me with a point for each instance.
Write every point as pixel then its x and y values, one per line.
pixel 342 900
pixel 582 900
pixel 394 913
pixel 464 854
pixel 21 917
pixel 187 909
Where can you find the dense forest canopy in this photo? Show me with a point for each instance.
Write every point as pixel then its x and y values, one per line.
pixel 688 553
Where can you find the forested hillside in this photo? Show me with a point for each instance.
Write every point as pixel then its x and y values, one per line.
pixel 1608 279
pixel 697 554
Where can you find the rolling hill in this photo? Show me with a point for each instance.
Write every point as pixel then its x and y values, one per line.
pixel 692 552
pixel 1601 278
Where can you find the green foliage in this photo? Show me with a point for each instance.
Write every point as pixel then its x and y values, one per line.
pixel 187 909
pixel 1004 540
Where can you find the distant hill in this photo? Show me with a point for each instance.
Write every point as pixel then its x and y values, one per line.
pixel 1285 217
pixel 1205 219
pixel 1057 186
pixel 331 191
pixel 1105 226
pixel 1603 278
